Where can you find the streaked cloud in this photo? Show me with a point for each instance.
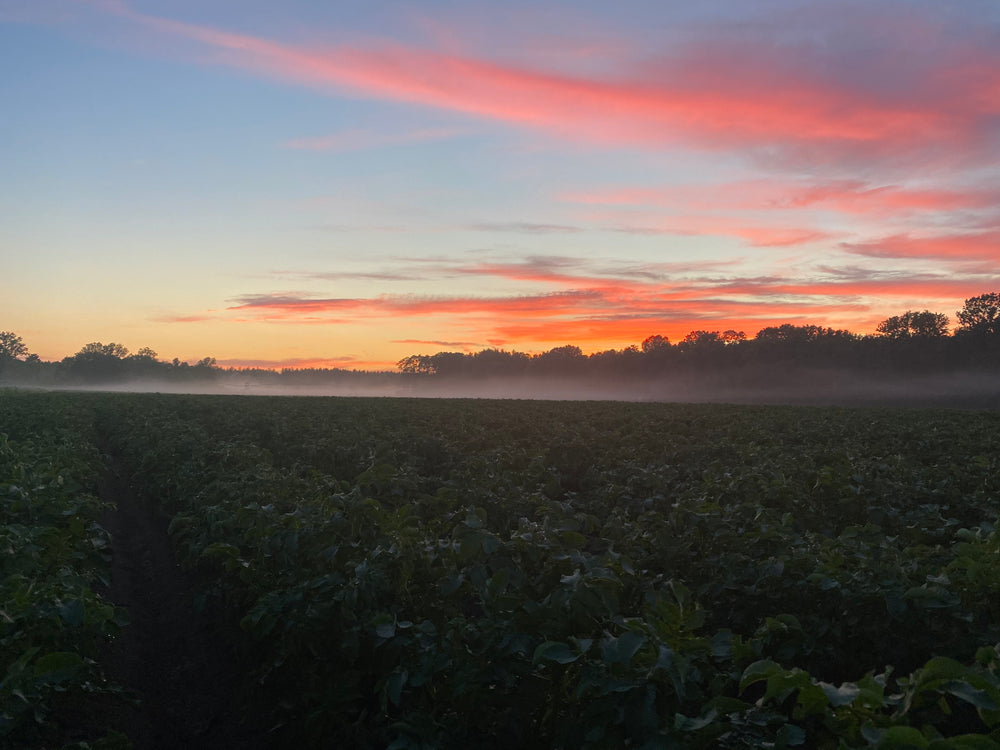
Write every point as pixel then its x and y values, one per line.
pixel 846 196
pixel 463 345
pixel 586 307
pixel 977 246
pixel 763 95
pixel 523 227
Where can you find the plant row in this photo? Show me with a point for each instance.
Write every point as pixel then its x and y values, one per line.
pixel 53 557
pixel 449 573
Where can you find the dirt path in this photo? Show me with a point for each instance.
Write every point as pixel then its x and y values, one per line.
pixel 180 663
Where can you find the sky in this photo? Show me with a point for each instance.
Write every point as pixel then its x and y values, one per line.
pixel 344 184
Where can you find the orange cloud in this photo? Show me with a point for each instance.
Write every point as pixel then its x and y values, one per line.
pixel 598 334
pixel 463 345
pixel 289 306
pixel 598 310
pixel 931 288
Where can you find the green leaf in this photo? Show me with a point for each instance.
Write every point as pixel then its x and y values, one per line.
pixel 871 691
pixel 722 645
pixel 965 691
pixel 758 671
pixel 58 666
pixel 71 612
pixel 554 651
pixel 791 736
pixel 902 738
pixel 812 699
pixel 941 668
pixel 965 742
pixel 490 544
pixel 394 685
pixel 840 696
pixel 620 650
pixel 451 583
pixel 686 724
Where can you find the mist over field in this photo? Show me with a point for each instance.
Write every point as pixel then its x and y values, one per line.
pixel 820 387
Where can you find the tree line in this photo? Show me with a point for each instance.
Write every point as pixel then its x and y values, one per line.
pixel 913 338
pixel 917 341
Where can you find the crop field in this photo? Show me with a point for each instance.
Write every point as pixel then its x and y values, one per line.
pixel 403 573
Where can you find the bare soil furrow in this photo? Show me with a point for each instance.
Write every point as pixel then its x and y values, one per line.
pixel 180 663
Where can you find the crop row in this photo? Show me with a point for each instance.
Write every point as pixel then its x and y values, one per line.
pixel 53 554
pixel 446 573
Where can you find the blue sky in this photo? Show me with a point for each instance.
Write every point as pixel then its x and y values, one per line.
pixel 345 184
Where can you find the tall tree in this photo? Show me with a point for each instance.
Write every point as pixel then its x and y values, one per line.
pixel 911 324
pixel 655 343
pixel 11 346
pixel 981 315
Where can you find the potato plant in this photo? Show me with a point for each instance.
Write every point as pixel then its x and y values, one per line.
pixel 438 573
pixel 53 553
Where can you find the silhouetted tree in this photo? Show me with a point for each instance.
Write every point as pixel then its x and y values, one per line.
pixel 563 360
pixel 11 346
pixel 416 364
pixel 655 343
pixel 923 324
pixel 97 349
pixel 980 315
pixel 499 362
pixel 701 338
pixel 98 361
pixel 787 333
pixel 448 363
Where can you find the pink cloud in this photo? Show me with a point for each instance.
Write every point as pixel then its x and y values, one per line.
pixel 598 307
pixel 846 196
pixel 745 96
pixel 978 246
pixel 717 299
pixel 754 234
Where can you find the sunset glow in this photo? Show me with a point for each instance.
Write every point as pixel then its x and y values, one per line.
pixel 316 185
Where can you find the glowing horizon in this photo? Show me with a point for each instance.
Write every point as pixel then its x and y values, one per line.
pixel 333 187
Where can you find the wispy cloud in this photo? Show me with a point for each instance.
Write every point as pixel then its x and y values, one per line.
pixel 593 309
pixel 950 248
pixel 183 318
pixel 762 96
pixel 463 345
pixel 846 196
pixel 350 275
pixel 755 234
pixel 523 227
pixel 298 301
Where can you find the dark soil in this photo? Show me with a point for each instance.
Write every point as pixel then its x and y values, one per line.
pixel 179 663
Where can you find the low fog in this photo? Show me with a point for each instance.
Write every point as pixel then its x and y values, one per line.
pixel 827 387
